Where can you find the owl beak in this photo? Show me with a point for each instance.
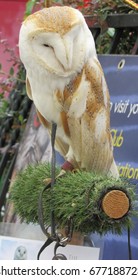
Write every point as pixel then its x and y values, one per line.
pixel 69 61
pixel 69 53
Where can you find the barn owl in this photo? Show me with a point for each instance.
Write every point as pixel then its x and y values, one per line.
pixel 66 83
pixel 20 253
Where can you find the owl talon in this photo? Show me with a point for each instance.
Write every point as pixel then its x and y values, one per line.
pixel 47 181
pixel 62 173
pixel 75 170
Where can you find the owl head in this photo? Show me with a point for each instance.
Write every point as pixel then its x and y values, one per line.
pixel 20 253
pixel 57 39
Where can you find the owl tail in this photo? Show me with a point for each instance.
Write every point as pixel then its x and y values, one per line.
pixel 113 172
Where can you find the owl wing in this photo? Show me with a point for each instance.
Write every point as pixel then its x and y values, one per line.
pixel 61 146
pixel 28 88
pixel 88 114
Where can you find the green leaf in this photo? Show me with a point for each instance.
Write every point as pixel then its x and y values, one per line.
pixel 0 66
pixel 111 31
pixel 1 95
pixel 11 71
pixel 29 7
pixel 20 119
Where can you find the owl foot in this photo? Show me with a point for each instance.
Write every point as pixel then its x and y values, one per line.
pixel 67 166
pixel 47 181
pixel 75 170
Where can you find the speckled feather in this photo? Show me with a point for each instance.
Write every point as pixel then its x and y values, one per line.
pixel 54 19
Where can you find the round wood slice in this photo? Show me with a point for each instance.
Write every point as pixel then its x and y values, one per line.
pixel 115 204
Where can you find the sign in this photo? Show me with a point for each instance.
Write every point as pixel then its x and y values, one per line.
pixel 26 249
pixel 121 74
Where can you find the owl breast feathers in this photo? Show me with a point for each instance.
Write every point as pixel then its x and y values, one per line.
pixel 67 85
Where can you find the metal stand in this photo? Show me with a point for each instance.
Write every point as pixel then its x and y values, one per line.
pixel 53 236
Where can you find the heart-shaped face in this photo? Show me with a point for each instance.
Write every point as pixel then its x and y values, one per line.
pixel 132 4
